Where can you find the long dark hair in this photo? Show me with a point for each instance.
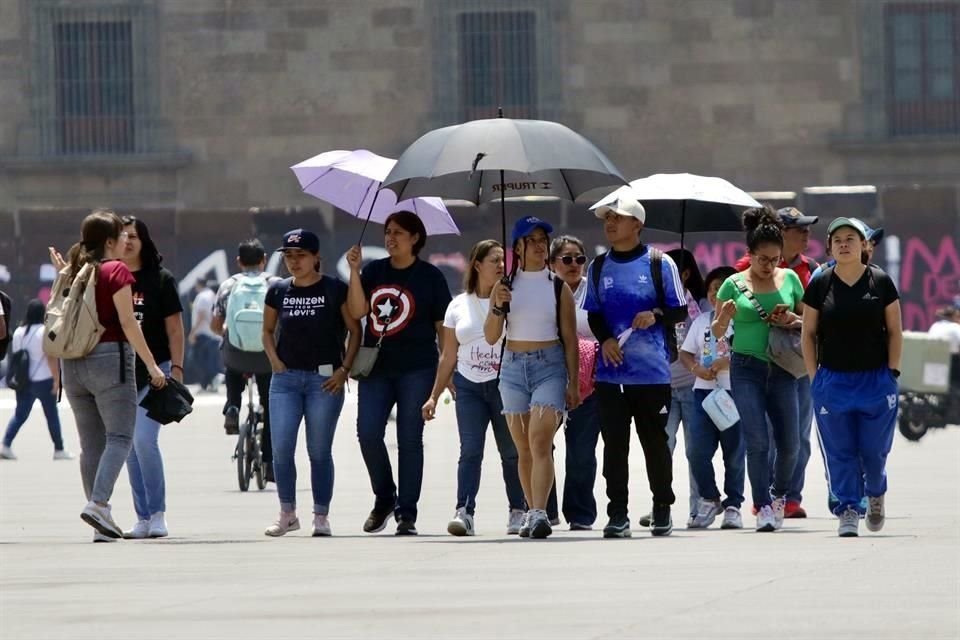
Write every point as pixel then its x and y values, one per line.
pixel 97 228
pixel 150 258
pixel 763 226
pixel 479 253
pixel 34 313
pixel 694 283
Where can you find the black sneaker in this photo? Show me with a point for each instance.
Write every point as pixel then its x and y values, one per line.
pixel 231 421
pixel 618 527
pixel 268 472
pixel 377 520
pixel 662 523
pixel 406 527
pixel 645 520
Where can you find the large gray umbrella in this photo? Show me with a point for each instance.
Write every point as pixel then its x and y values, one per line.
pixel 501 158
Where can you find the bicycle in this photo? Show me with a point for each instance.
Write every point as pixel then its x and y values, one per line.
pixel 248 453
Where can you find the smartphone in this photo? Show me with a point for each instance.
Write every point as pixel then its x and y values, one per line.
pixel 780 308
pixel 325 370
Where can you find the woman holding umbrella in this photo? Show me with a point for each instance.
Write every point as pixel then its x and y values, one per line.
pixel 405 300
pixel 539 375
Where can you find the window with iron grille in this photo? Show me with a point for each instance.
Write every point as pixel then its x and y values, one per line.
pixel 94 77
pixel 498 64
pixel 923 68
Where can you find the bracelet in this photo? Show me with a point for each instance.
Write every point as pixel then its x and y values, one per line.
pixel 176 366
pixel 344 367
pixel 497 311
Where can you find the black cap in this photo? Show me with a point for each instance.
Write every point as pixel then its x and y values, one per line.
pixel 301 239
pixel 793 217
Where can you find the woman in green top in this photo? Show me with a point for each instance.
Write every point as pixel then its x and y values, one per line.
pixel 759 387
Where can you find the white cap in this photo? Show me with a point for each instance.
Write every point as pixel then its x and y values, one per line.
pixel 624 205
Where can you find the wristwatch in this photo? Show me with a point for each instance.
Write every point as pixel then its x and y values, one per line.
pixel 497 311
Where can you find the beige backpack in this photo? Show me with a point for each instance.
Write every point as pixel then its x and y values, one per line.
pixel 71 327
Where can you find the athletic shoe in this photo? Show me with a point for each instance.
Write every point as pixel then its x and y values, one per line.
pixel 875 514
pixel 517 517
pixel 158 525
pixel 377 521
pixel 731 519
pixel 555 521
pixel 540 524
pixel 268 472
pixel 63 454
pixel 579 526
pixel 794 510
pixel 524 531
pixel 99 537
pixel 406 527
pixel 321 526
pixel 779 506
pixel 461 524
pixel 645 520
pixel 6 453
pixel 101 519
pixel 285 523
pixel 706 513
pixel 139 531
pixel 617 527
pixel 662 524
pixel 691 524
pixel 231 421
pixel 849 523
pixel 766 521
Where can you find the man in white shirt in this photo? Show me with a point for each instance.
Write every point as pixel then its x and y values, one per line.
pixel 947 327
pixel 205 343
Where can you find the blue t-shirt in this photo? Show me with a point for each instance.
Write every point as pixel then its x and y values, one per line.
pixel 310 327
pixel 405 304
pixel 626 289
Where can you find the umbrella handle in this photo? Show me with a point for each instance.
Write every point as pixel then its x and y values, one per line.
pixel 367 221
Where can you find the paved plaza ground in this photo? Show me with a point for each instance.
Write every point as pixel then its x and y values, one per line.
pixel 218 576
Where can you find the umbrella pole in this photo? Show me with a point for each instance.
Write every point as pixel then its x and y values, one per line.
pixel 503 227
pixel 369 214
pixel 683 226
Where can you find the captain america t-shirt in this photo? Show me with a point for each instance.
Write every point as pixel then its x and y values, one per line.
pixel 405 304
pixel 626 289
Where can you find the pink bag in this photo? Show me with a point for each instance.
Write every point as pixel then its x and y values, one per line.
pixel 588 366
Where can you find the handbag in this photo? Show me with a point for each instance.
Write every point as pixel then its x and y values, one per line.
pixel 721 408
pixel 784 345
pixel 588 366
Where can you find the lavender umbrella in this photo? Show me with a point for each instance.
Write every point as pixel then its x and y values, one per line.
pixel 351 180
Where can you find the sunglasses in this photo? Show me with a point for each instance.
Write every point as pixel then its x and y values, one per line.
pixel 569 260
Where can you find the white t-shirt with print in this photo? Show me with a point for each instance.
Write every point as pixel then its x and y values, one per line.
pixel 701 343
pixel 477 361
pixel 31 339
pixel 205 302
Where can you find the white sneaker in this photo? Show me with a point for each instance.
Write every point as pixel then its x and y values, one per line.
pixel 779 505
pixel 525 524
pixel 63 454
pixel 766 521
pixel 6 453
pixel 731 519
pixel 461 524
pixel 101 519
pixel 706 513
pixel 158 525
pixel 285 523
pixel 849 523
pixel 875 514
pixel 99 537
pixel 139 531
pixel 515 521
pixel 321 526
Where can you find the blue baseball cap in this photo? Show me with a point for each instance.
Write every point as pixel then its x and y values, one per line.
pixel 873 235
pixel 301 239
pixel 793 217
pixel 525 226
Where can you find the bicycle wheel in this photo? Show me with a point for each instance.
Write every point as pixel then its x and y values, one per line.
pixel 243 478
pixel 258 466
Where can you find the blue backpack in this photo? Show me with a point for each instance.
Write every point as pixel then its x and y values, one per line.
pixel 245 312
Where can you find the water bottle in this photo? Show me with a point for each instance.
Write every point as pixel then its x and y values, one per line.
pixel 709 349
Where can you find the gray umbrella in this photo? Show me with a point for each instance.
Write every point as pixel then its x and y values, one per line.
pixel 500 158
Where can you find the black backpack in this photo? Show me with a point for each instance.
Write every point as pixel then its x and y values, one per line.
pixel 5 341
pixel 656 270
pixel 18 369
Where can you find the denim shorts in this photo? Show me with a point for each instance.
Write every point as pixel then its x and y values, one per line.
pixel 533 379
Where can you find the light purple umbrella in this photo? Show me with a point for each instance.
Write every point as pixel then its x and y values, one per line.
pixel 351 180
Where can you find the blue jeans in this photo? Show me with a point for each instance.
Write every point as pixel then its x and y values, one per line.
pixel 805 408
pixel 760 388
pixel 681 409
pixel 206 358
pixel 704 438
pixel 296 396
pixel 581 433
pixel 478 404
pixel 376 397
pixel 145 464
pixel 41 390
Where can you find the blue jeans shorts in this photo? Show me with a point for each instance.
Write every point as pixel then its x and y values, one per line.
pixel 533 379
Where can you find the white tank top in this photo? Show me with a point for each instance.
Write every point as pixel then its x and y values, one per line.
pixel 533 309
